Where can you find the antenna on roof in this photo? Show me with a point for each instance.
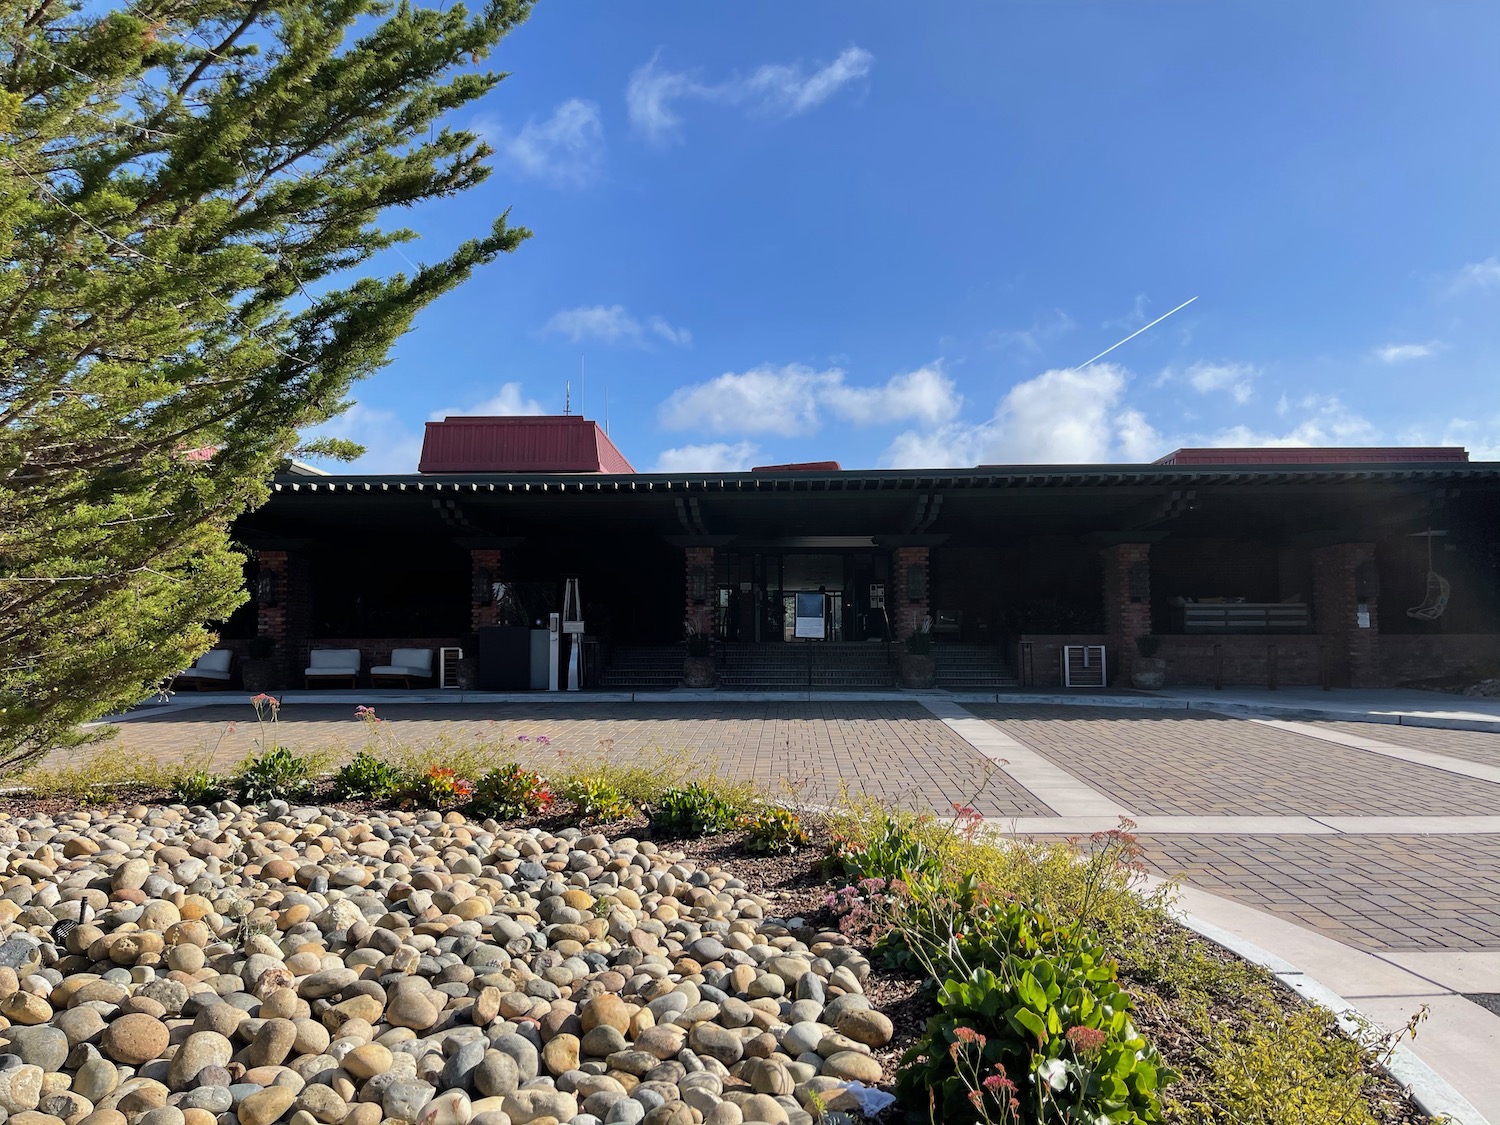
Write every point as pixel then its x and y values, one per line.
pixel 567 397
pixel 581 410
pixel 606 410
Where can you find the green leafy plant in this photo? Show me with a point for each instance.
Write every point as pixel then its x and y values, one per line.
pixel 1046 1005
pixel 595 797
pixel 919 644
pixel 438 788
pixel 892 850
pixel 773 830
pixel 199 787
pixel 510 791
pixel 694 810
pixel 275 772
pixel 1147 646
pixel 368 777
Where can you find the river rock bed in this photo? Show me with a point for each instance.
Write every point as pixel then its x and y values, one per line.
pixel 229 966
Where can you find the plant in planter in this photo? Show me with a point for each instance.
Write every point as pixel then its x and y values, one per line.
pixel 259 672
pixel 1148 672
pixel 916 667
pixel 698 665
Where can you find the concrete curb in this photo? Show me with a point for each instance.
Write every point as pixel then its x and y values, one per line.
pixel 1432 1093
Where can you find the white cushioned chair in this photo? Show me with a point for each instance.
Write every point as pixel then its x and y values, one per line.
pixel 333 664
pixel 213 669
pixel 407 664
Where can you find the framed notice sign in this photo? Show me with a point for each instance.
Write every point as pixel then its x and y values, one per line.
pixel 809 622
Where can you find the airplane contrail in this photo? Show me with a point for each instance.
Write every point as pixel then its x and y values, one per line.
pixel 1134 334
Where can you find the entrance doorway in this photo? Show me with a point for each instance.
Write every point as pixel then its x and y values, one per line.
pixel 762 597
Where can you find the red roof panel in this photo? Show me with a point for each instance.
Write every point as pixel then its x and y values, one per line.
pixel 556 443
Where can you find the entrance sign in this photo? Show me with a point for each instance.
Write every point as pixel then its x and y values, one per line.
pixel 810 621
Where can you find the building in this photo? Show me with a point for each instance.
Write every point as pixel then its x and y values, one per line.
pixel 1284 566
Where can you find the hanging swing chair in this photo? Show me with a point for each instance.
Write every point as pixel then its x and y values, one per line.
pixel 1435 601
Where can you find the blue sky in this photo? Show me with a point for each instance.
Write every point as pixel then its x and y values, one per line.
pixel 889 234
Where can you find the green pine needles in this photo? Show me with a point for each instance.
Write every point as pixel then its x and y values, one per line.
pixel 191 194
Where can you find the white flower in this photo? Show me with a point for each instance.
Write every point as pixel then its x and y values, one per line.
pixel 1054 1072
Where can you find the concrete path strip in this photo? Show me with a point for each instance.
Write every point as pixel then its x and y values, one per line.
pixel 1449 1066
pixel 1462 766
pixel 1059 790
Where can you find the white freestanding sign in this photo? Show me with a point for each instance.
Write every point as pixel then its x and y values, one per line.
pixel 554 635
pixel 809 621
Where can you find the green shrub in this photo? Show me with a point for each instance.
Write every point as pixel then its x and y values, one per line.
pixel 919 644
pixel 368 777
pixel 772 830
pixel 595 797
pixel 273 773
pixel 510 791
pixel 694 810
pixel 199 787
pixel 1045 1014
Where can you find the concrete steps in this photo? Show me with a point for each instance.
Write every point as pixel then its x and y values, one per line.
pixel 966 667
pixel 827 665
pixel 644 669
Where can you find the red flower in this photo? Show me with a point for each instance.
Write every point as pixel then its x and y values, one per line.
pixel 1085 1040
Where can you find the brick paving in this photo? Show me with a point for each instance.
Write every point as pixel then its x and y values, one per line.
pixel 894 751
pixel 1472 745
pixel 1371 892
pixel 1178 763
pixel 1396 892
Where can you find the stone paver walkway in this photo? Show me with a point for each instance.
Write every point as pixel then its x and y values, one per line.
pixel 1373 850
pixel 893 751
pixel 1187 763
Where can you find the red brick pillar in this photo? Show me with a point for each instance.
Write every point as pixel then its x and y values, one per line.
pixel 911 589
pixel 698 589
pixel 283 611
pixel 484 572
pixel 1349 625
pixel 1127 603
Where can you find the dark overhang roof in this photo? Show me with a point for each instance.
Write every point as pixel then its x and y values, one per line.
pixel 877 480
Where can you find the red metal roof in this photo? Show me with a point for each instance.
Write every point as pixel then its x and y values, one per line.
pixel 1319 455
pixel 556 443
pixel 800 467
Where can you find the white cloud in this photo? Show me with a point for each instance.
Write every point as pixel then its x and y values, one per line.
pixel 715 457
pixel 612 324
pixel 1062 416
pixel 509 400
pixel 925 394
pixel 1045 328
pixel 390 445
pixel 775 89
pixel 782 89
pixel 777 400
pixel 1400 353
pixel 566 148
pixel 1480 436
pixel 1236 379
pixel 1324 420
pixel 792 400
pixel 1476 275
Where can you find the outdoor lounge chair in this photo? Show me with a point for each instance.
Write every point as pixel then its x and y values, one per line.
pixel 333 664
pixel 213 669
pixel 407 664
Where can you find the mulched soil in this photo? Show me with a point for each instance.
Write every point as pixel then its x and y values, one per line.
pixel 798 885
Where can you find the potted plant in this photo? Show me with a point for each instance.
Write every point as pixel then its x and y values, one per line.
pixel 916 667
pixel 698 666
pixel 467 669
pixel 1148 672
pixel 260 672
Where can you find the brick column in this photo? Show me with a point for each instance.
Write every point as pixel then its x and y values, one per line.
pixel 484 571
pixel 1352 650
pixel 911 590
pixel 698 588
pixel 283 610
pixel 1127 603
